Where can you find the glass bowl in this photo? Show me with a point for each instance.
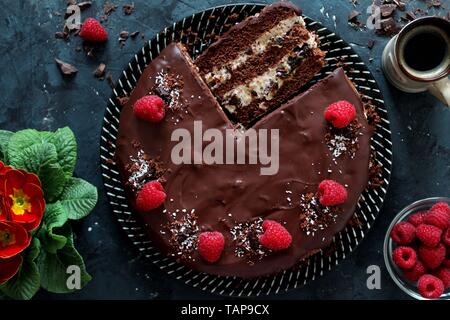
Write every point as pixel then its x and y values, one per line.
pixel 407 286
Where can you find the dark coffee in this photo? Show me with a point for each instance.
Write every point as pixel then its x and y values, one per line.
pixel 425 51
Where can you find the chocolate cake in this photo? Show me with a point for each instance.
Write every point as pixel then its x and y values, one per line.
pixel 235 199
pixel 261 62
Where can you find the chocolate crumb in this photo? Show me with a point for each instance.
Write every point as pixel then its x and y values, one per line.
pixel 123 100
pixel 370 44
pixel 66 68
pixel 128 8
pixel 100 71
pixel 109 8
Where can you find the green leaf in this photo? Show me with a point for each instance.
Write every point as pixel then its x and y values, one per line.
pixel 42 159
pixel 25 284
pixel 52 233
pixel 66 148
pixel 53 268
pixel 5 136
pixel 78 198
pixel 26 138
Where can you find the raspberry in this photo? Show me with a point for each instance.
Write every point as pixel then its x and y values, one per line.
pixel 404 257
pixel 149 108
pixel 446 262
pixel 275 236
pixel 151 196
pixel 331 193
pixel 340 113
pixel 443 274
pixel 417 218
pixel 403 233
pixel 210 245
pixel 415 272
pixel 92 30
pixel 430 287
pixel 429 235
pixel 441 206
pixel 446 237
pixel 437 217
pixel 432 257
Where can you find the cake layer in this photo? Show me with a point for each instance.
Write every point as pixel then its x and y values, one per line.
pixel 252 67
pixel 234 199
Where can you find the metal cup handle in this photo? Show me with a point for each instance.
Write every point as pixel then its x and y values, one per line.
pixel 441 90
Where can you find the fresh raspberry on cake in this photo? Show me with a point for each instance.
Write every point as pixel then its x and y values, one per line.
pixel 331 193
pixel 92 30
pixel 429 235
pixel 149 108
pixel 443 273
pixel 403 233
pixel 340 113
pixel 275 236
pixel 417 218
pixel 437 217
pixel 210 245
pixel 151 196
pixel 441 206
pixel 446 237
pixel 404 257
pixel 415 272
pixel 430 287
pixel 432 257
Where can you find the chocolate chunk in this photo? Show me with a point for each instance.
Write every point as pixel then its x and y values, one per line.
pixel 388 27
pixel 352 16
pixel 84 5
pixel 387 10
pixel 66 68
pixel 123 100
pixel 134 34
pixel 128 8
pixel 100 71
pixel 62 35
pixel 370 44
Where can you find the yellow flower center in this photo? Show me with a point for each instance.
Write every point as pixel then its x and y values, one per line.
pixel 21 202
pixel 6 238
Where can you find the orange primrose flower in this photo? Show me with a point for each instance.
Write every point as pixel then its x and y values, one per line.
pixel 23 198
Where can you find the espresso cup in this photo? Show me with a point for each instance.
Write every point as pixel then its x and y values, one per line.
pixel 417 59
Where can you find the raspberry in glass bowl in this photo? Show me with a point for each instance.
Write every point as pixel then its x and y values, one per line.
pixel 417 249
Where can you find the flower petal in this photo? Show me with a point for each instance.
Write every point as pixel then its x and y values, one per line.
pixel 14 179
pixel 13 239
pixel 9 268
pixel 33 178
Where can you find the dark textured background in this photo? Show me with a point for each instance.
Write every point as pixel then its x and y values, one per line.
pixel 34 94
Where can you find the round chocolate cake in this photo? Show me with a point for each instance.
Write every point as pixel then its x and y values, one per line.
pixel 228 93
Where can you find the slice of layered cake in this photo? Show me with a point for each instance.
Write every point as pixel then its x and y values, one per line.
pixel 261 62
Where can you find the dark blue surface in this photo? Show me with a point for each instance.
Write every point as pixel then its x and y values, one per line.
pixel 34 94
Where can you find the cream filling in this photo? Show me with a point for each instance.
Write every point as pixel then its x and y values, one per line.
pixel 261 86
pixel 221 74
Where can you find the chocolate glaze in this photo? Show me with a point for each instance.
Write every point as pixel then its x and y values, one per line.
pixel 215 191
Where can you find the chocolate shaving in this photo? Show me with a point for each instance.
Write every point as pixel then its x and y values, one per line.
pixel 134 34
pixel 66 68
pixel 84 5
pixel 99 72
pixel 62 35
pixel 110 80
pixel 128 8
